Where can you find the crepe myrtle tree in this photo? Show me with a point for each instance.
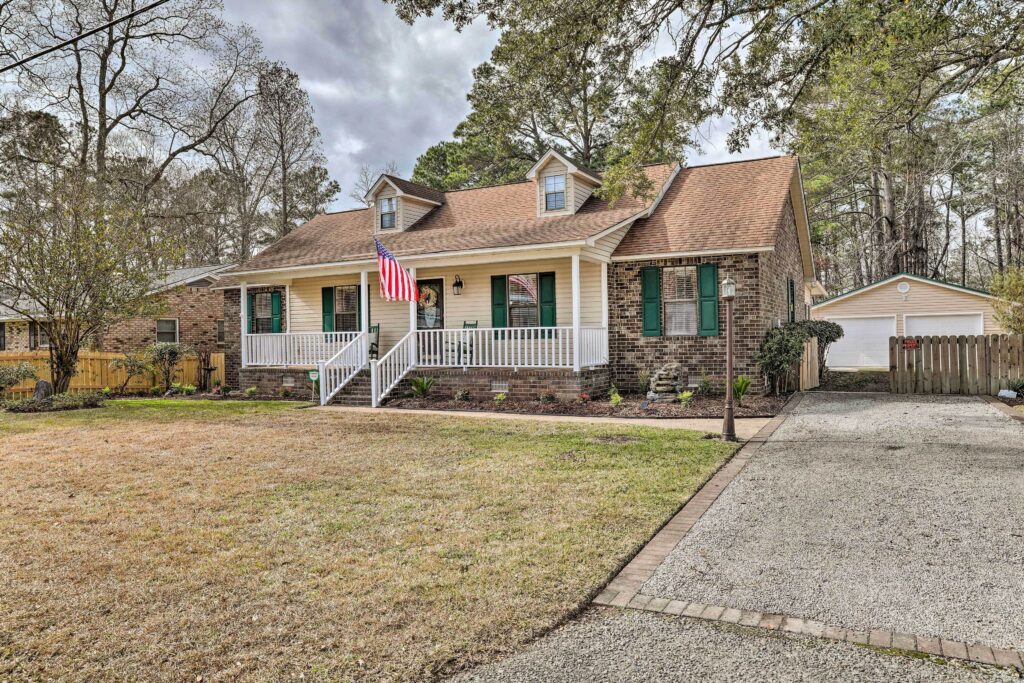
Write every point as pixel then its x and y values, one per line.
pixel 74 259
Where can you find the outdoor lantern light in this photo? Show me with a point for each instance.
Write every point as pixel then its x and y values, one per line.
pixel 728 288
pixel 457 286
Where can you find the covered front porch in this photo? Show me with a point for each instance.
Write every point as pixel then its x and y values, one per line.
pixel 525 313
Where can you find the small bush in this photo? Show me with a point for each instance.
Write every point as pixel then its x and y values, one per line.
pixel 132 365
pixel 583 397
pixel 614 397
pixel 704 388
pixel 188 389
pixel 1017 385
pixel 781 350
pixel 222 390
pixel 420 386
pixel 11 375
pixel 55 403
pixel 156 391
pixel 685 397
pixel 462 395
pixel 547 397
pixel 164 357
pixel 740 387
pixel 250 392
pixel 643 381
pixel 106 391
pixel 500 397
pixel 285 392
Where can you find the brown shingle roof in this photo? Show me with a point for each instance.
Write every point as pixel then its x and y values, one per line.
pixel 417 190
pixel 481 218
pixel 735 205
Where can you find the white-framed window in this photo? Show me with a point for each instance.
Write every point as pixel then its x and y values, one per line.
pixel 220 332
pixel 263 312
pixel 523 300
pixel 679 297
pixel 554 192
pixel 38 337
pixel 386 207
pixel 167 330
pixel 346 308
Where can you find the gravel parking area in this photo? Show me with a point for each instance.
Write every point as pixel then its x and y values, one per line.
pixel 896 512
pixel 616 645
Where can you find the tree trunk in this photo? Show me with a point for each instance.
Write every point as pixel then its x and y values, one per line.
pixel 889 219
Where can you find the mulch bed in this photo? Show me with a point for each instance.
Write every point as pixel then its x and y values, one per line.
pixel 700 406
pixel 1012 402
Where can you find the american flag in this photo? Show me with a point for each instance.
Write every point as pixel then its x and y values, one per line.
pixel 396 284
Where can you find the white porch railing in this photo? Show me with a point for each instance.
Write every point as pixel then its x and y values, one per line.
pixel 339 370
pixel 305 348
pixel 593 346
pixel 386 373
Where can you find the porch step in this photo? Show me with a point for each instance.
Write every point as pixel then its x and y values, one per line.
pixel 356 392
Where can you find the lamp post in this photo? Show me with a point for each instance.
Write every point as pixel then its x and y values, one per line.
pixel 729 423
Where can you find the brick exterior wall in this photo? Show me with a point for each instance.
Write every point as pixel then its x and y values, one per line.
pixel 197 311
pixel 761 284
pixel 16 336
pixel 523 385
pixel 270 381
pixel 233 331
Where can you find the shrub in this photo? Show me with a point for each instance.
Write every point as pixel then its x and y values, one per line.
pixel 548 397
pixel 704 388
pixel 462 395
pixel 740 387
pixel 584 397
pixel 188 389
pixel 55 403
pixel 500 397
pixel 106 391
pixel 780 351
pixel 685 397
pixel 1008 304
pixel 132 365
pixel 165 357
pixel 155 391
pixel 827 333
pixel 11 375
pixel 222 390
pixel 420 386
pixel 643 381
pixel 1017 385
pixel 250 392
pixel 285 392
pixel 614 397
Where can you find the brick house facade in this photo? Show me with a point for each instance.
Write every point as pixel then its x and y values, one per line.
pixel 267 381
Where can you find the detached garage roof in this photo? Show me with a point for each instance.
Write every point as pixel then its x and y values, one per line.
pixel 902 276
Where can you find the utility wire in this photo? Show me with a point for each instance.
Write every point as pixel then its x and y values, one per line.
pixel 77 38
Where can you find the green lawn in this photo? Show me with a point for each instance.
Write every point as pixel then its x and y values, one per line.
pixel 157 540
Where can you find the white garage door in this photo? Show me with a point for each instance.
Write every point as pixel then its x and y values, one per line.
pixel 865 343
pixel 948 323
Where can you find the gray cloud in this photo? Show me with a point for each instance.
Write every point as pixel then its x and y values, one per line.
pixel 383 90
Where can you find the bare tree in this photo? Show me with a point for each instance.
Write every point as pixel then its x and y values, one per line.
pixel 368 175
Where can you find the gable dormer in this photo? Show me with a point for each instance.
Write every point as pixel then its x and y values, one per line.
pixel 398 204
pixel 563 185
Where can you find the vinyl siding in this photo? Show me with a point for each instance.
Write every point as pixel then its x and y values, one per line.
pixel 385 192
pixel 605 246
pixel 411 211
pixel 473 304
pixel 922 298
pixel 580 193
pixel 554 167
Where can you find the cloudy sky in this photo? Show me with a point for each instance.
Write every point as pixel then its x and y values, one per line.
pixel 383 90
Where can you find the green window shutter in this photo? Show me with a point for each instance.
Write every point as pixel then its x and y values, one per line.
pixel 275 312
pixel 251 320
pixel 707 291
pixel 548 314
pixel 499 301
pixel 327 306
pixel 32 336
pixel 650 295
pixel 3 337
pixel 359 308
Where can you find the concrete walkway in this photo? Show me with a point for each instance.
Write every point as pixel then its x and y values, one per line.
pixel 746 427
pixel 862 520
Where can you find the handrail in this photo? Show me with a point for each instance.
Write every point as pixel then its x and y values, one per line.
pixel 340 368
pixel 291 348
pixel 386 373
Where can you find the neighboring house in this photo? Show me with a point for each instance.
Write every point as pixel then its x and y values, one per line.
pixel 908 305
pixel 190 313
pixel 531 287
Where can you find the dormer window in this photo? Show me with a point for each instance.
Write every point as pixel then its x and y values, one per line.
pixel 387 213
pixel 554 192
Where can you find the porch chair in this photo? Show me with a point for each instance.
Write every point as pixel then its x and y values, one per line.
pixel 374 338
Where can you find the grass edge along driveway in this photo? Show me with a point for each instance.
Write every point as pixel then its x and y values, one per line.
pixel 252 541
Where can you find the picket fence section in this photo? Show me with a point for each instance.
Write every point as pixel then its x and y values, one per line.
pixel 94 372
pixel 809 376
pixel 971 364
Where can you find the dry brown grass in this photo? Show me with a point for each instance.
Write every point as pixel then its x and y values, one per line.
pixel 265 545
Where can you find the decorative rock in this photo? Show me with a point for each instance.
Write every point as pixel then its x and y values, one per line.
pixel 666 383
pixel 43 390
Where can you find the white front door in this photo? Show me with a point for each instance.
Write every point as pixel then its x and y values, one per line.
pixel 865 343
pixel 936 325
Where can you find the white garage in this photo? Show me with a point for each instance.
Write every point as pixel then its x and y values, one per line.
pixel 907 305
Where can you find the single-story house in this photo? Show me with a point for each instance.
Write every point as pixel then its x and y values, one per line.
pixel 190 312
pixel 901 305
pixel 528 288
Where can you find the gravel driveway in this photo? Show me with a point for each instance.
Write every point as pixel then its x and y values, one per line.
pixel 871 511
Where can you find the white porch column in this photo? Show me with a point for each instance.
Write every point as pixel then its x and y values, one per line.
pixel 576 312
pixel 364 312
pixel 288 308
pixel 412 324
pixel 243 305
pixel 604 307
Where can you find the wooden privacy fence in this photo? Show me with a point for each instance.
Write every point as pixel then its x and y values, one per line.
pixel 809 378
pixel 981 364
pixel 94 371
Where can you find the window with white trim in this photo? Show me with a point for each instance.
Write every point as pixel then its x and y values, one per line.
pixel 220 332
pixel 42 337
pixel 679 297
pixel 386 207
pixel 554 192
pixel 523 300
pixel 346 308
pixel 167 330
pixel 262 312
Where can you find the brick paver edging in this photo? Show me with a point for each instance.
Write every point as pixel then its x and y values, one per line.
pixel 624 589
